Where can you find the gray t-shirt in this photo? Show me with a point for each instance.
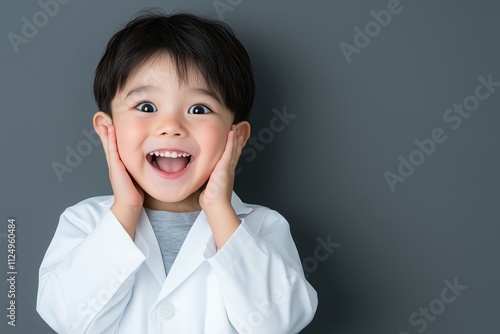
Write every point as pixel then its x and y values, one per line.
pixel 171 229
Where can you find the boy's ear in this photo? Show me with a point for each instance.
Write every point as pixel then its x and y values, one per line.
pixel 243 129
pixel 101 118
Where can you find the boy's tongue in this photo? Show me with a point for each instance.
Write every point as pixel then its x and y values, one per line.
pixel 172 165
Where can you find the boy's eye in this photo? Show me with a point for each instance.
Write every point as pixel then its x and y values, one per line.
pixel 198 109
pixel 146 107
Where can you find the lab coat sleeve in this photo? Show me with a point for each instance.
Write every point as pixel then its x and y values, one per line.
pixel 261 279
pixel 87 274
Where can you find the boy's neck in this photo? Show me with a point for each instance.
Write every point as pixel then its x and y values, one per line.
pixel 189 204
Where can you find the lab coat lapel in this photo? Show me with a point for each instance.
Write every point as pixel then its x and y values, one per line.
pixel 191 254
pixel 145 240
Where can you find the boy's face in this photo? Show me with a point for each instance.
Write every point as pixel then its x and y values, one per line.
pixel 155 112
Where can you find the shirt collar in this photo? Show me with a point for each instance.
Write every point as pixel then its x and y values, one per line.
pixel 239 207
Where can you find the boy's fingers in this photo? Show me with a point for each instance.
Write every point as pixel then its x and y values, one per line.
pixel 225 159
pixel 237 141
pixel 239 148
pixel 112 143
pixel 114 155
pixel 103 134
pixel 110 147
pixel 235 150
pixel 232 147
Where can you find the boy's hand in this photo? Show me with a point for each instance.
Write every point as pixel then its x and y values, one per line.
pixel 220 184
pixel 129 196
pixel 215 199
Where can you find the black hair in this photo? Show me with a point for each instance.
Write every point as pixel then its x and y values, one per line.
pixel 189 40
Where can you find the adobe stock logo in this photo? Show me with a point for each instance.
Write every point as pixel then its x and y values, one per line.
pixel 322 252
pixel 88 308
pixel 436 307
pixel 30 27
pixel 74 157
pixel 265 136
pixel 363 37
pixel 454 118
pixel 222 6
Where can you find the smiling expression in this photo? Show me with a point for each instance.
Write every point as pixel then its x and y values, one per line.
pixel 170 133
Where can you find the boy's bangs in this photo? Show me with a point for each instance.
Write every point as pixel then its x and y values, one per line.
pixel 187 71
pixel 201 46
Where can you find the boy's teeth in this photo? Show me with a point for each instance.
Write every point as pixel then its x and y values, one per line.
pixel 170 154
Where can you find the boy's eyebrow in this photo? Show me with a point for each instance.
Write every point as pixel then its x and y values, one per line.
pixel 207 92
pixel 139 89
pixel 145 88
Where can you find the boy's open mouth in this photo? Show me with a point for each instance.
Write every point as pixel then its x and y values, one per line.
pixel 169 161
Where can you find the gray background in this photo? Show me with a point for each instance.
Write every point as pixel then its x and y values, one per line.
pixel 324 171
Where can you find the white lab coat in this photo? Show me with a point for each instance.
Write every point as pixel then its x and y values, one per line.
pixel 95 279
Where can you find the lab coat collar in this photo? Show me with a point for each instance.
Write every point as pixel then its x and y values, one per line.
pixel 191 254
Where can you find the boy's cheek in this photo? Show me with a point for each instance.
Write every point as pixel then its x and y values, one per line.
pixel 124 151
pixel 211 162
pixel 221 147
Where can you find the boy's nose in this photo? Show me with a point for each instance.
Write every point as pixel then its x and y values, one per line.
pixel 171 133
pixel 171 128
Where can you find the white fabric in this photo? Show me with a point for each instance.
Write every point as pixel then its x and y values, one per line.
pixel 95 279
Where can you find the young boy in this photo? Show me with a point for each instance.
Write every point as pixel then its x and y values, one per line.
pixel 174 250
